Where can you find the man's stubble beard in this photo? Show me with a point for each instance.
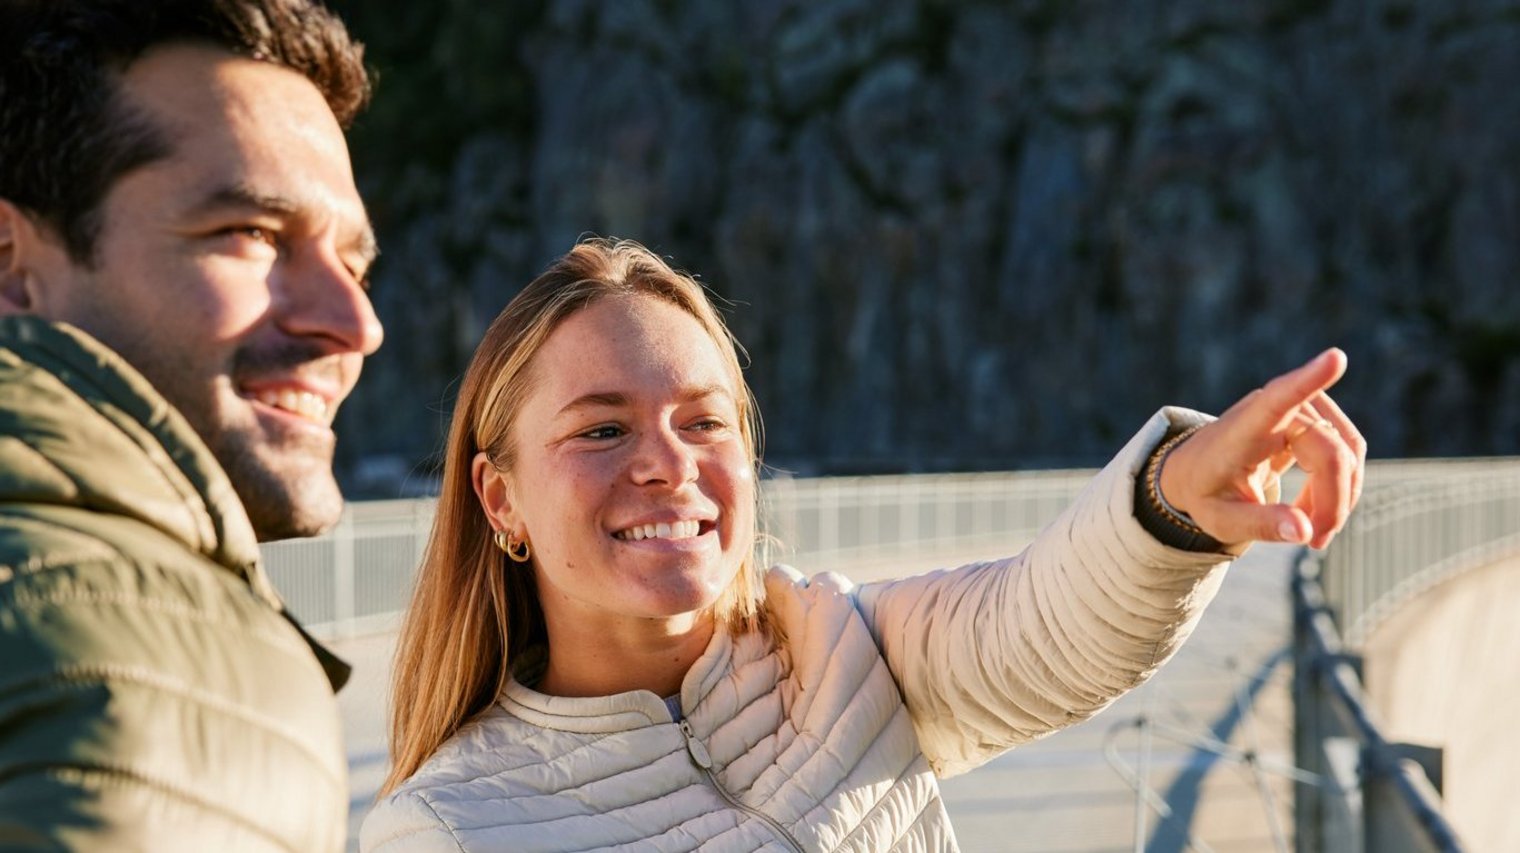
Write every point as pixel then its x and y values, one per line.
pixel 286 485
pixel 293 495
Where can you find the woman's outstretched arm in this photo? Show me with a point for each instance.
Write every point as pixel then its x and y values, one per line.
pixel 993 655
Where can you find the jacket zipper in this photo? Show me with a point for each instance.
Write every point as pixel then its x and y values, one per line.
pixel 703 760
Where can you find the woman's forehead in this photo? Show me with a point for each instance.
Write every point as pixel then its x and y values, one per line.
pixel 632 346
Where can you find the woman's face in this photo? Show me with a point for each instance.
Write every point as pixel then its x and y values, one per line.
pixel 630 478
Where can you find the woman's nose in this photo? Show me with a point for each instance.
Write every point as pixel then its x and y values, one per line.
pixel 663 457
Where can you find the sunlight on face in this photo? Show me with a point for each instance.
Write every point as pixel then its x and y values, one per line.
pixel 631 477
pixel 230 274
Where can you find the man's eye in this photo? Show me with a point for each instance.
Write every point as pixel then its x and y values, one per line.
pixel 251 233
pixel 361 277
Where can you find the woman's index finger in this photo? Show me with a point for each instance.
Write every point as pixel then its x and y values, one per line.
pixel 1281 399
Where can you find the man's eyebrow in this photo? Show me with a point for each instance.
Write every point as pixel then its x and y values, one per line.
pixel 244 197
pixel 617 399
pixel 366 245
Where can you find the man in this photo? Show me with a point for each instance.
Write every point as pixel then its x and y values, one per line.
pixel 182 283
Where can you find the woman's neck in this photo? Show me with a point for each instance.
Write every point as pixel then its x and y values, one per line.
pixel 603 660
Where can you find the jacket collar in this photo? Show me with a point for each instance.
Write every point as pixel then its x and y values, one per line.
pixel 621 711
pixel 122 446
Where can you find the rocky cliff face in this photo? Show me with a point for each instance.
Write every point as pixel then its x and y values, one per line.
pixel 971 234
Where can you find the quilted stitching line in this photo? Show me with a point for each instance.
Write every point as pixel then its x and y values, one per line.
pixel 103 776
pixel 86 674
pixel 26 600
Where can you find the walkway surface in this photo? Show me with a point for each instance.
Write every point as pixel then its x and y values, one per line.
pixel 1225 696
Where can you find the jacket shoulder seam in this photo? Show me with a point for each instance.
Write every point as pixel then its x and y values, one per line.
pixel 102 776
pixel 50 561
pixel 421 798
pixel 94 548
pixel 87 674
pixel 27 601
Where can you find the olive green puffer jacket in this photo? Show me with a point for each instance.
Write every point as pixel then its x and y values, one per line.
pixel 153 693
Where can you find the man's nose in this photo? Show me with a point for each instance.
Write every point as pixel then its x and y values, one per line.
pixel 323 298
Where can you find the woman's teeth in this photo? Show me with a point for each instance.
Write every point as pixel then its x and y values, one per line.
pixel 676 530
pixel 303 403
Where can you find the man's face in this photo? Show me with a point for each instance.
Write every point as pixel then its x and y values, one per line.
pixel 231 274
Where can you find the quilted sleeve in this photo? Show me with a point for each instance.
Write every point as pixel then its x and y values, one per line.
pixel 405 822
pixel 992 655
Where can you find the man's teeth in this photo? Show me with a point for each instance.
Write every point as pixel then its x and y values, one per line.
pixel 304 403
pixel 676 530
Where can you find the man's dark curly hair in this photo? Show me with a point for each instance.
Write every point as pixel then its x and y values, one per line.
pixel 66 136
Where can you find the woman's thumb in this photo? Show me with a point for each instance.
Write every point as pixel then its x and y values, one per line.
pixel 1237 522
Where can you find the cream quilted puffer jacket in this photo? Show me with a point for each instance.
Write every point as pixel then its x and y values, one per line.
pixel 831 739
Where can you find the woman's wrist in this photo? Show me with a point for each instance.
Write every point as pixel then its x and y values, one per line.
pixel 1169 525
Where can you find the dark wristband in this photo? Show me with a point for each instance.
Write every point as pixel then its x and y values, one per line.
pixel 1163 521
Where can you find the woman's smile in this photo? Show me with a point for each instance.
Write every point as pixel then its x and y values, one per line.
pixel 679 531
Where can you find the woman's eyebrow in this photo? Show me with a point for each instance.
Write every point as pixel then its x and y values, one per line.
pixel 595 400
pixel 617 399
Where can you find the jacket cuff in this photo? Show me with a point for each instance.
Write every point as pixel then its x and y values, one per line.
pixel 1160 519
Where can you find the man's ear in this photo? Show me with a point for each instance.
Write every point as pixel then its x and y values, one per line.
pixel 20 243
pixel 495 494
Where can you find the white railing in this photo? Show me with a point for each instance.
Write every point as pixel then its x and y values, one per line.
pixel 356 579
pixel 1419 525
pixel 828 522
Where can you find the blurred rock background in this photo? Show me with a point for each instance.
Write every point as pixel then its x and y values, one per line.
pixel 965 235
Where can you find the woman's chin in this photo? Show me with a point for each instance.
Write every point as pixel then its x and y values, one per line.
pixel 688 597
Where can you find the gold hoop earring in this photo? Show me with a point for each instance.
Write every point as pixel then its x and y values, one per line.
pixel 516 549
pixel 518 556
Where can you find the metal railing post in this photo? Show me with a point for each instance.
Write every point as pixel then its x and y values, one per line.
pixel 343 574
pixel 1342 829
pixel 1373 795
pixel 1307 804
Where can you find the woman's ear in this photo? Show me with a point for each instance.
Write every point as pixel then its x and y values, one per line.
pixel 492 488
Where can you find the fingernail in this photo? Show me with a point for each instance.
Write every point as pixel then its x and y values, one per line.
pixel 1288 531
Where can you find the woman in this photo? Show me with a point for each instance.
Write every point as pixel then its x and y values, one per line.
pixel 592 660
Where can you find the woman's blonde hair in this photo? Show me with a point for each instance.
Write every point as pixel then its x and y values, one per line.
pixel 471 618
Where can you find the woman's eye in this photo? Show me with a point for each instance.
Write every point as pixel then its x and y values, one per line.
pixel 603 432
pixel 709 425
